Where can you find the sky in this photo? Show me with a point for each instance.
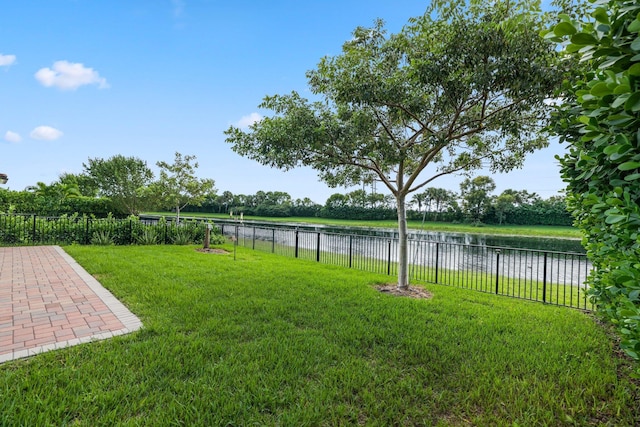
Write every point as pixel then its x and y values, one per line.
pixel 84 79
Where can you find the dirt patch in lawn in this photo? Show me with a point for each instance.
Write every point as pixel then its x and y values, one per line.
pixel 411 292
pixel 213 251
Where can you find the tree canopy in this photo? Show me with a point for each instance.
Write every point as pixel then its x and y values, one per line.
pixel 122 179
pixel 177 185
pixel 459 88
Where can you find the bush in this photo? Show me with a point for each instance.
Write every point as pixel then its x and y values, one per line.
pixel 149 236
pixel 31 229
pixel 102 238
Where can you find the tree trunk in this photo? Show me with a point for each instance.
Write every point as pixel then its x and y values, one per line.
pixel 403 259
pixel 177 214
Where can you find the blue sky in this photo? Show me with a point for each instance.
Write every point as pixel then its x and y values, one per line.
pixel 86 79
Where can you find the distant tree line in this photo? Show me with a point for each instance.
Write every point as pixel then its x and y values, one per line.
pixel 118 187
pixel 475 203
pixel 122 186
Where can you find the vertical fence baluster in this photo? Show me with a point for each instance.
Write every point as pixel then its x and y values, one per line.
pixel 318 249
pixel 389 259
pixel 497 270
pixel 544 278
pixel 437 259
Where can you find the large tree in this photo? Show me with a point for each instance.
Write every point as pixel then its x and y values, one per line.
pixel 459 88
pixel 122 179
pixel 178 186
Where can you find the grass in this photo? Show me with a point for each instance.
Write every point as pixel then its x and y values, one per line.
pixel 267 340
pixel 514 230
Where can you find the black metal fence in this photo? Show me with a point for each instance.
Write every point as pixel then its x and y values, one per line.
pixel 38 230
pixel 550 277
pixel 546 276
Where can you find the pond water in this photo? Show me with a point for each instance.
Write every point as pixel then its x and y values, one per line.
pixel 479 239
pixel 533 259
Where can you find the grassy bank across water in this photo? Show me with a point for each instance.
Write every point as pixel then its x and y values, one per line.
pixel 267 340
pixel 514 230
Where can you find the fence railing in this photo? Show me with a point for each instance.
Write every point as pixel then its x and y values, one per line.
pixel 36 230
pixel 550 277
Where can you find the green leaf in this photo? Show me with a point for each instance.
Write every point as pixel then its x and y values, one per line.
pixel 609 62
pixel 564 17
pixel 621 100
pixel 635 45
pixel 583 39
pixel 609 150
pixel 633 103
pixel 627 166
pixel 622 88
pixel 572 48
pixel 632 177
pixel 605 51
pixel 634 26
pixel 634 70
pixel 584 119
pixel 564 29
pixel 615 218
pixel 601 89
pixel 601 15
pixel 619 119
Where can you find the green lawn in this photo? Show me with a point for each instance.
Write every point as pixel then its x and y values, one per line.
pixel 269 340
pixel 515 230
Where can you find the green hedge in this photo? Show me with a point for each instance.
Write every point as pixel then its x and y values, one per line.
pixel 34 230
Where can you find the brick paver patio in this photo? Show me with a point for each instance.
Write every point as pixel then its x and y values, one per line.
pixel 48 301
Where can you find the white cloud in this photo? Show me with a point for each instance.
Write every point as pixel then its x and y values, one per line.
pixel 247 121
pixel 69 76
pixel 12 137
pixel 45 133
pixel 6 60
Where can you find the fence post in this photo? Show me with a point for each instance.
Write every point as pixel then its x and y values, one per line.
pixel 544 279
pixel 497 270
pixel 389 259
pixel 437 259
pixel 253 243
pixel 86 232
pixel 130 231
pixel 273 240
pixel 350 250
pixel 296 243
pixel 33 238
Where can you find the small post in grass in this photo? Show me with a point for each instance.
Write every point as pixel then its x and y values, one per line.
pixel 207 236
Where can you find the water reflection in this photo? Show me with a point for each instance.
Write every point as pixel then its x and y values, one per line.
pixel 433 256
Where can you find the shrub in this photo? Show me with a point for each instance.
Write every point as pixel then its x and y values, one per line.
pixel 149 236
pixel 102 238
